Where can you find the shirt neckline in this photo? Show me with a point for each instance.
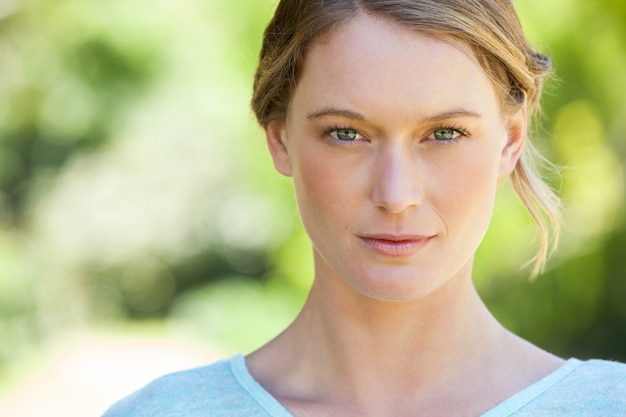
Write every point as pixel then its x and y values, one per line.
pixel 256 391
pixel 505 408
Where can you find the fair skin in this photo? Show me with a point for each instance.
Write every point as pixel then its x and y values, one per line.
pixel 396 143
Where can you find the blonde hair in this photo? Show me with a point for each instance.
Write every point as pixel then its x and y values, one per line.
pixel 492 30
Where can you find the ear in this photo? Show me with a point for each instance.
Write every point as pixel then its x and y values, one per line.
pixel 516 136
pixel 276 137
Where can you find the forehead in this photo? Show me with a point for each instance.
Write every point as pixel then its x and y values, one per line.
pixel 373 60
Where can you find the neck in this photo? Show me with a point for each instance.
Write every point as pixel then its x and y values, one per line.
pixel 423 339
pixel 352 346
pixel 442 354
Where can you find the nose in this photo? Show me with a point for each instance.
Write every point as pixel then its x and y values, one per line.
pixel 396 183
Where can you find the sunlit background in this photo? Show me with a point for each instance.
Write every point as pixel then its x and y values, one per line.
pixel 143 229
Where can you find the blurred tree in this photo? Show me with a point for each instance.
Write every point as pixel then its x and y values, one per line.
pixel 64 86
pixel 575 309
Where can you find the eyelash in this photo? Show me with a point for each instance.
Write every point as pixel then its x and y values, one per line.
pixel 463 134
pixel 328 134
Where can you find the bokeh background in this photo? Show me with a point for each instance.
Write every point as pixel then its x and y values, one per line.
pixel 143 229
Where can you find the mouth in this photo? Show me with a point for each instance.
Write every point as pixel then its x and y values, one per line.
pixel 395 246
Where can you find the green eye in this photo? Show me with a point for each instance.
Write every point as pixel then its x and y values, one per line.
pixel 446 134
pixel 345 134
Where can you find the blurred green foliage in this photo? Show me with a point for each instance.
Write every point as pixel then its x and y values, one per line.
pixel 135 184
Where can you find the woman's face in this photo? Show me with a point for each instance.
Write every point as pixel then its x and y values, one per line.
pixel 395 142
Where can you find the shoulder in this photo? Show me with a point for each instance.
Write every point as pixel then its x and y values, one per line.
pixel 598 378
pixel 209 390
pixel 598 367
pixel 592 388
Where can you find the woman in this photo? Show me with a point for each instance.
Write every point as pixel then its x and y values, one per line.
pixel 397 120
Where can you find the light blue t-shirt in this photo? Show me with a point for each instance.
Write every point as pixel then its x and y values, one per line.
pixel 226 389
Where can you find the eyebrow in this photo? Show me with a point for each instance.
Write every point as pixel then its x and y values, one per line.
pixel 332 111
pixel 349 114
pixel 454 114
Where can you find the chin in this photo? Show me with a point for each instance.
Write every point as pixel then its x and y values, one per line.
pixel 400 289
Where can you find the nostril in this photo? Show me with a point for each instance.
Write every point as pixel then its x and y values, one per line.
pixel 397 206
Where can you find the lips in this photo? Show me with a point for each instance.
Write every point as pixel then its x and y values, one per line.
pixel 395 246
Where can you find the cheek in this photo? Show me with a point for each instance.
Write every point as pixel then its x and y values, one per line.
pixel 468 193
pixel 325 189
